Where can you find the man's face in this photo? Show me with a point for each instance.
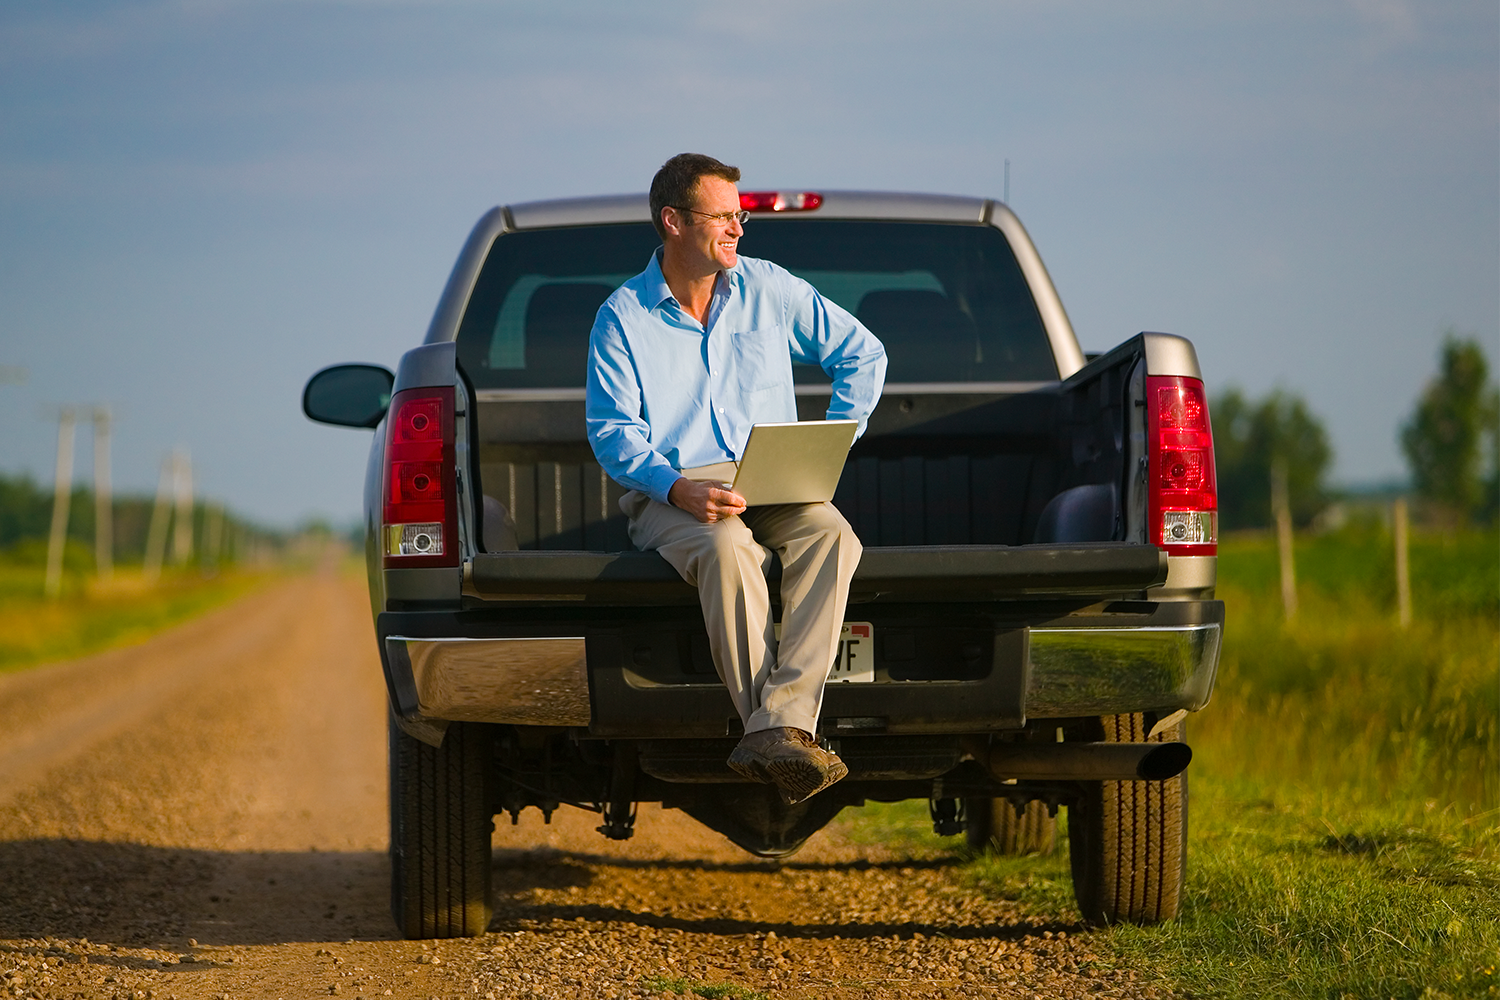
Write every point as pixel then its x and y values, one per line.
pixel 712 241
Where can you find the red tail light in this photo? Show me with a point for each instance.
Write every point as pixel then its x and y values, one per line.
pixel 1183 499
pixel 420 522
pixel 780 201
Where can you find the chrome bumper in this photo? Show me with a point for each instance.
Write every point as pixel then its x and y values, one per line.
pixel 522 682
pixel 544 681
pixel 1103 671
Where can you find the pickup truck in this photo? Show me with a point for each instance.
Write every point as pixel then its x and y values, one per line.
pixel 1032 619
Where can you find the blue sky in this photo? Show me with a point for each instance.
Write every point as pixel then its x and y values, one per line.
pixel 203 202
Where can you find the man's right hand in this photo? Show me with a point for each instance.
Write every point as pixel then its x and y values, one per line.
pixel 705 501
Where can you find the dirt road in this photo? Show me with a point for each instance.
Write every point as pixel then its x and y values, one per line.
pixel 204 816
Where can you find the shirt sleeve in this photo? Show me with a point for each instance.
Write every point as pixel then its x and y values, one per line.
pixel 824 333
pixel 617 430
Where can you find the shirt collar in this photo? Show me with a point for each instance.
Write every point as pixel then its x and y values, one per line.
pixel 658 291
pixel 656 288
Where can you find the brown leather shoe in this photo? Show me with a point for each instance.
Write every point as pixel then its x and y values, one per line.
pixel 788 758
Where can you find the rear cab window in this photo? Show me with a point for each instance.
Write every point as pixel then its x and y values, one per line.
pixel 948 300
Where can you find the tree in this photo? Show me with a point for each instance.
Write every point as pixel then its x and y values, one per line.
pixel 25 510
pixel 1489 503
pixel 1249 436
pixel 1443 435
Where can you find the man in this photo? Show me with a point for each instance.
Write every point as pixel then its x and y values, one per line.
pixel 684 358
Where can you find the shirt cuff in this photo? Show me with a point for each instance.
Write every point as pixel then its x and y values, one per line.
pixel 659 483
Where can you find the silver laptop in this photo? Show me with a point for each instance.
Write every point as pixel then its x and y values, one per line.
pixel 797 462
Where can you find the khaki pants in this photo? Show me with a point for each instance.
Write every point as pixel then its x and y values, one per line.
pixel 771 684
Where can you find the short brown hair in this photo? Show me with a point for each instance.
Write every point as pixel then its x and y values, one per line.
pixel 677 181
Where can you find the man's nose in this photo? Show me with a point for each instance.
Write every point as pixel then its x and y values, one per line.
pixel 736 228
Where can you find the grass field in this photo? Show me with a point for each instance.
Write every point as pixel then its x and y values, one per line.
pixel 87 618
pixel 1345 819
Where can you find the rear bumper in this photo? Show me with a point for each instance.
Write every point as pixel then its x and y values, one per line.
pixel 639 673
pixel 1108 671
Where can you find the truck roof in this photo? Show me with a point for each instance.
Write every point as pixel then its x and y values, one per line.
pixel 836 205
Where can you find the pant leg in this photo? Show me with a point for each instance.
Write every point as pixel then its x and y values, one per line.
pixel 819 553
pixel 728 566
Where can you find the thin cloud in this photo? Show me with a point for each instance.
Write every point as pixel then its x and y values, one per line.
pixel 1391 24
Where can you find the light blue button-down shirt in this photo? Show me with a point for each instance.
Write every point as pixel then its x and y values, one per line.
pixel 665 393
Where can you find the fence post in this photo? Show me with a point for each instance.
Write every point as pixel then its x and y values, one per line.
pixel 62 499
pixel 1400 521
pixel 1282 508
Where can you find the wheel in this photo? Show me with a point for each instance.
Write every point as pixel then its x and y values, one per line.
pixel 992 825
pixel 1127 840
pixel 440 833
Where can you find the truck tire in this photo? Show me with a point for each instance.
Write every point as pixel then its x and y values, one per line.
pixel 992 825
pixel 1127 840
pixel 440 833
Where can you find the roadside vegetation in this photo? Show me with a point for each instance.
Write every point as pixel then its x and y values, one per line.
pixel 199 557
pixel 88 617
pixel 1346 779
pixel 1345 820
pixel 693 988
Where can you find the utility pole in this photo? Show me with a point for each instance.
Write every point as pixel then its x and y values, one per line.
pixel 1401 525
pixel 182 537
pixel 62 497
pixel 1282 508
pixel 104 504
pixel 156 535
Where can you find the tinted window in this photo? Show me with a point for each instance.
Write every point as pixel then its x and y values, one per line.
pixel 948 301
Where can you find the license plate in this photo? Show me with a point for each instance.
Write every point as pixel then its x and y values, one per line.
pixel 855 661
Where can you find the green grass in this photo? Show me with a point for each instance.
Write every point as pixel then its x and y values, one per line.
pixel 901 826
pixel 695 988
pixel 1345 818
pixel 1345 838
pixel 1342 699
pixel 1293 893
pixel 87 618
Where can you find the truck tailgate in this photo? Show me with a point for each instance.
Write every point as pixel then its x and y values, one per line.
pixel 895 572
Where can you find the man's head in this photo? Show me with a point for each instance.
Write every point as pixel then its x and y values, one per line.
pixel 676 183
pixel 693 201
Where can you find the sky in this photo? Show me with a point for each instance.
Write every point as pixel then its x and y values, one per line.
pixel 202 203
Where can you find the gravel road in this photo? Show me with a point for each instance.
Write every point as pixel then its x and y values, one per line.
pixel 203 816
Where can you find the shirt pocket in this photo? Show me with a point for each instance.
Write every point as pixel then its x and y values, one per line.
pixel 761 359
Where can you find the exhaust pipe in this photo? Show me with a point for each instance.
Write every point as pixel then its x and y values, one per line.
pixel 1089 761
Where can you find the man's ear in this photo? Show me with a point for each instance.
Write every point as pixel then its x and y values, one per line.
pixel 669 220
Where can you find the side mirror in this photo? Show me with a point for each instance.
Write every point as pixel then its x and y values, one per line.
pixel 348 395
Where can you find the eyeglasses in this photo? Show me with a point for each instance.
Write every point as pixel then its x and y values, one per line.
pixel 721 219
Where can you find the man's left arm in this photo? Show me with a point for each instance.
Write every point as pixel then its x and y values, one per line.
pixel 826 334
